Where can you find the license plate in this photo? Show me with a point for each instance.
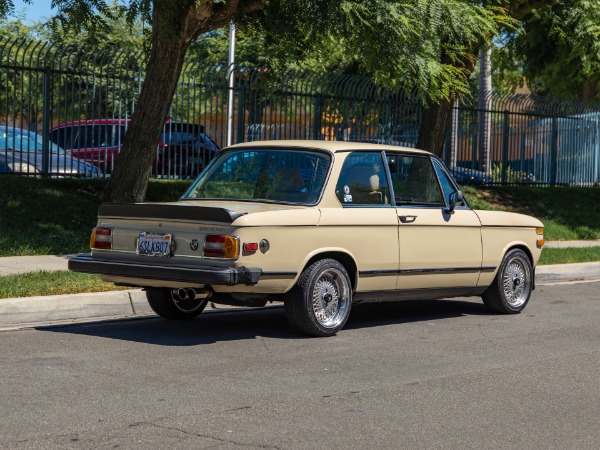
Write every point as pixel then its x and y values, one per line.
pixel 154 244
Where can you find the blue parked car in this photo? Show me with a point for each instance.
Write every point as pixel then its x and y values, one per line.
pixel 471 177
pixel 21 153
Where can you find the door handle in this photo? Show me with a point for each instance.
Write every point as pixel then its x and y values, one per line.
pixel 408 219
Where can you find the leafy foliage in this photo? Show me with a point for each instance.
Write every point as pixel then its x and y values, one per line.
pixel 414 45
pixel 559 51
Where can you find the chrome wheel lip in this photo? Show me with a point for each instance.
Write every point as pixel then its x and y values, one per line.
pixel 331 298
pixel 516 282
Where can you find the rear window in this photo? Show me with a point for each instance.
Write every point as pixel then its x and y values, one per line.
pixel 271 175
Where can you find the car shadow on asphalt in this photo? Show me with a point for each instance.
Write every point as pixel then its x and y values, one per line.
pixel 232 325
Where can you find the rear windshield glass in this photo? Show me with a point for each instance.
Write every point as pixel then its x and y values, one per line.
pixel 273 175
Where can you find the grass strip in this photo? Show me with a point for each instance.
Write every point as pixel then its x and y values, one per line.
pixel 568 213
pixel 55 217
pixel 570 255
pixel 52 283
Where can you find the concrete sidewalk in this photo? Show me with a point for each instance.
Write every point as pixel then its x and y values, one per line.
pixel 20 312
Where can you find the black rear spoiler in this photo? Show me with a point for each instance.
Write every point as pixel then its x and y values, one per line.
pixel 177 212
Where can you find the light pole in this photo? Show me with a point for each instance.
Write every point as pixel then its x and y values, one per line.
pixel 231 83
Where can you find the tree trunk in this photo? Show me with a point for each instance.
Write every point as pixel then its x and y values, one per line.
pixel 484 106
pixel 175 25
pixel 436 117
pixel 129 180
pixel 589 90
pixel 434 123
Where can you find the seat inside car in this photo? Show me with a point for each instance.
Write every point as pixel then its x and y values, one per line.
pixel 364 184
pixel 288 185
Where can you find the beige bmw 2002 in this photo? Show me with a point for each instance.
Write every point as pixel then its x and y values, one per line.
pixel 318 226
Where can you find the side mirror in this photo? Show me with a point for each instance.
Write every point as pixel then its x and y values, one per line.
pixel 456 198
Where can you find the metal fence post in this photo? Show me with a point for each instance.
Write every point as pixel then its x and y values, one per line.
pixel 316 134
pixel 505 139
pixel 241 105
pixel 554 152
pixel 46 100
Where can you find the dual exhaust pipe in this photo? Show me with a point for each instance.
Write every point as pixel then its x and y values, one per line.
pixel 191 294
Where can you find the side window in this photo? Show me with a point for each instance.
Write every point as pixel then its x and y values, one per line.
pixel 103 136
pixel 414 180
pixel 363 180
pixel 75 137
pixel 119 135
pixel 447 185
pixel 62 137
pixel 85 138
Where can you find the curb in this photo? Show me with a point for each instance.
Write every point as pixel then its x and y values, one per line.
pixel 15 311
pixel 567 272
pixel 132 303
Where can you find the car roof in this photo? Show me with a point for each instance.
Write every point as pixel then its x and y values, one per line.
pixel 196 127
pixel 332 146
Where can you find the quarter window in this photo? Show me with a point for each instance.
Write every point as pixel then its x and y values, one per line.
pixel 447 185
pixel 363 180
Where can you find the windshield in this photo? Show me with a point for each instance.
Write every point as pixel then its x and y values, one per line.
pixel 273 175
pixel 177 137
pixel 19 140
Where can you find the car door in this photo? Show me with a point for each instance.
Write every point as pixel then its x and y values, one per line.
pixel 438 249
pixel 366 225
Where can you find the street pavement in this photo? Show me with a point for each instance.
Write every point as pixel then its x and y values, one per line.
pixel 73 307
pixel 404 375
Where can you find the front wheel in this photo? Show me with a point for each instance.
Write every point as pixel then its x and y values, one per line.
pixel 511 289
pixel 168 304
pixel 319 304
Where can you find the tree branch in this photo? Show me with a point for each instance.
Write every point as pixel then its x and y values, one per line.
pixel 209 15
pixel 520 8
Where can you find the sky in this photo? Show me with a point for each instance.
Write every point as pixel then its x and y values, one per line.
pixel 36 11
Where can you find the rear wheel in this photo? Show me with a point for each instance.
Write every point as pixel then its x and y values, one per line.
pixel 319 304
pixel 511 289
pixel 168 304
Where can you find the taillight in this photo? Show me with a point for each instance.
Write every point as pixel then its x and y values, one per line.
pixel 101 238
pixel 221 246
pixel 250 246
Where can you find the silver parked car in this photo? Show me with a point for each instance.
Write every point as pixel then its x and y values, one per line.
pixel 21 153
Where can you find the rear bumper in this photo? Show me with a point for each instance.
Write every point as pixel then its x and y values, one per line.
pixel 228 276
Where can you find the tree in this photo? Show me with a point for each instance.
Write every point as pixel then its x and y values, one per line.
pixel 560 49
pixel 425 46
pixel 436 115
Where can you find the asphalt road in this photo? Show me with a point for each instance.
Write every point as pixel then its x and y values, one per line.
pixel 429 374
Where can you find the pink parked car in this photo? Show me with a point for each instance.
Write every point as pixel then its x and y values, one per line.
pixel 182 151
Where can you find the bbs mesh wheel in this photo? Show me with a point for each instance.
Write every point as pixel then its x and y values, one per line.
pixel 319 304
pixel 511 289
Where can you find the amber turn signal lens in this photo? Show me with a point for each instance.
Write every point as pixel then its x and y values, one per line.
pixel 540 243
pixel 539 230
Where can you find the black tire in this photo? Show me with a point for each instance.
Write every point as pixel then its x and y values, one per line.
pixel 511 289
pixel 165 304
pixel 320 303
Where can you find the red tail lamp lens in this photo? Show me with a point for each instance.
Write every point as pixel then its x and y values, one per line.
pixel 250 246
pixel 101 238
pixel 221 246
